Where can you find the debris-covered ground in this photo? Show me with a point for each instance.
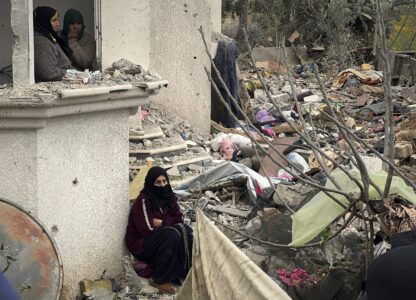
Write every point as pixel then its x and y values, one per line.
pixel 252 215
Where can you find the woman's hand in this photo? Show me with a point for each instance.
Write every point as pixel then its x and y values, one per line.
pixel 157 223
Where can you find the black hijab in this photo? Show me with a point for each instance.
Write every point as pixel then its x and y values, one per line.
pixel 159 197
pixel 71 16
pixel 42 16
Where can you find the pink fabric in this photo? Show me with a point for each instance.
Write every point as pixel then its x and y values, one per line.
pixel 259 190
pixel 227 149
pixel 143 115
pixel 295 278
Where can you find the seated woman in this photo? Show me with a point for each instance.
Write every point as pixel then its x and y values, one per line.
pixel 51 53
pixel 156 234
pixel 81 42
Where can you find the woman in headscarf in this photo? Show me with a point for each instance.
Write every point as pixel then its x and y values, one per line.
pixel 51 52
pixel 156 234
pixel 81 42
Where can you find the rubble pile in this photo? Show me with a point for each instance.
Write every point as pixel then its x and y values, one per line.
pixel 169 141
pixel 225 176
pixel 232 190
pixel 122 72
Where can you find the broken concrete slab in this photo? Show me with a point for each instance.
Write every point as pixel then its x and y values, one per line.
pixel 150 133
pixel 231 211
pixel 294 195
pixel 195 167
pixel 373 164
pixel 403 149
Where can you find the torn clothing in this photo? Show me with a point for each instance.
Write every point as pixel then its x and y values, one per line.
pixel 140 222
pixel 168 251
pixel 225 61
pixel 51 62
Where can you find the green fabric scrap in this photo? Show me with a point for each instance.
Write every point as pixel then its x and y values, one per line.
pixel 321 211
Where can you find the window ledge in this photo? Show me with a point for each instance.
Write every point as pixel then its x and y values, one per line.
pixel 30 108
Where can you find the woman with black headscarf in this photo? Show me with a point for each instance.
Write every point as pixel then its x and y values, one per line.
pixel 156 234
pixel 51 53
pixel 81 42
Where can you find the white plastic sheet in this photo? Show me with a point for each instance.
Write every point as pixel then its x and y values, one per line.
pixel 222 271
pixel 226 171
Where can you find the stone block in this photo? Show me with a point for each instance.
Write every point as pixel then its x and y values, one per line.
pixel 403 150
pixel 281 97
pixel 311 99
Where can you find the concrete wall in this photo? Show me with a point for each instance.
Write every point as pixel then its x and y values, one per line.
pixel 216 9
pixel 126 31
pixel 83 169
pixel 73 174
pixel 18 172
pixel 178 55
pixel 86 7
pixel 6 37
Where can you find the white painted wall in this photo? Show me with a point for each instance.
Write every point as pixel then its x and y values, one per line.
pixel 91 215
pixel 125 27
pixel 216 9
pixel 178 55
pixel 18 172
pixel 86 7
pixel 38 168
pixel 6 37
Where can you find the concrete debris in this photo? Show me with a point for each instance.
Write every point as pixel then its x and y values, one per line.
pixel 97 289
pixel 121 73
pixel 236 193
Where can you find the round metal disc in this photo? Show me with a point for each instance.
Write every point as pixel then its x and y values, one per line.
pixel 29 255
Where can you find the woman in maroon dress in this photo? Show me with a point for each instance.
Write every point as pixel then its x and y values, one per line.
pixel 156 234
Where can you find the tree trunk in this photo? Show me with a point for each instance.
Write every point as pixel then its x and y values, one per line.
pixel 242 12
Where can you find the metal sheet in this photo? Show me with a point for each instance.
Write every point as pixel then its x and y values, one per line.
pixel 38 268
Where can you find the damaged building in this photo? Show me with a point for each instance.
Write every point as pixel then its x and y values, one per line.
pixel 296 171
pixel 64 147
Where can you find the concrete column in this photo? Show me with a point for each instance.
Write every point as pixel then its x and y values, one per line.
pixel 178 55
pixel 216 10
pixel 22 28
pixel 125 27
pixel 66 162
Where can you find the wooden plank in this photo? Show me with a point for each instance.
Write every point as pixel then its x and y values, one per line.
pixel 285 128
pixel 177 147
pixel 231 211
pixel 178 163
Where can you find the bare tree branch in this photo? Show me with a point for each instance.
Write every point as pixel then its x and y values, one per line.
pixel 388 116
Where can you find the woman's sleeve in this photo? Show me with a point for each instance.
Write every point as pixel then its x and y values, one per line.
pixel 83 55
pixel 176 216
pixel 143 217
pixel 46 63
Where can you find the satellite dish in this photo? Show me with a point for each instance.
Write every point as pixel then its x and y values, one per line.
pixel 35 268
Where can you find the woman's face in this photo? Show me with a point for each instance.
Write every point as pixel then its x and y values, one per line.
pixel 161 181
pixel 55 23
pixel 75 27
